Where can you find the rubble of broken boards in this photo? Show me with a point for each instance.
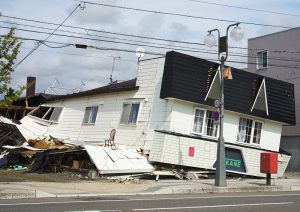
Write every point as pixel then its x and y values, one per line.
pixel 54 155
pixel 51 155
pixel 44 155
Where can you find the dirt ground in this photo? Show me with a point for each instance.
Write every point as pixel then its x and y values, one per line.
pixel 7 175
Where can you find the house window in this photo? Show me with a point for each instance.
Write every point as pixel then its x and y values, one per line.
pixel 249 131
pixel 55 114
pixel 90 115
pixel 130 113
pixel 204 123
pixel 48 113
pixel 262 60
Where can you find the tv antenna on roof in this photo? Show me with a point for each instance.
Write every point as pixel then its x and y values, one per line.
pixel 140 52
pixel 112 69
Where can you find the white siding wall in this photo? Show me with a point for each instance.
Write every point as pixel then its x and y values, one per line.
pixel 183 117
pixel 110 109
pixel 174 150
pixel 157 113
pixel 108 117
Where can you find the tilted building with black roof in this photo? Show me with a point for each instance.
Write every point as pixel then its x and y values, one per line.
pixel 168 111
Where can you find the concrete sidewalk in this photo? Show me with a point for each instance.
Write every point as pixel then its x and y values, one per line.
pixel 16 190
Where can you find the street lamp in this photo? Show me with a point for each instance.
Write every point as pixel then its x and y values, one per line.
pixel 236 34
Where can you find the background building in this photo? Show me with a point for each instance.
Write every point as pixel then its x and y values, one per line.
pixel 277 56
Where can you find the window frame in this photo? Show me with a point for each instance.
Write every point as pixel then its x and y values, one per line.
pixel 50 110
pixel 260 66
pixel 204 124
pixel 128 122
pixel 58 116
pixel 90 116
pixel 253 125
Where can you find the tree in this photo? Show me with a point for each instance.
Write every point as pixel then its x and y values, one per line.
pixel 9 49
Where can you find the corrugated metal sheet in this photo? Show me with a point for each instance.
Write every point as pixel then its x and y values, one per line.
pixel 187 78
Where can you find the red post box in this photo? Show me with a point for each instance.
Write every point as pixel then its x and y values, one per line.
pixel 268 162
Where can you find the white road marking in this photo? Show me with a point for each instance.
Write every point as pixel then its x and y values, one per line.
pixel 95 211
pixel 213 206
pixel 146 199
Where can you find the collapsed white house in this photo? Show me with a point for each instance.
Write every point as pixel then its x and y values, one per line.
pixel 167 112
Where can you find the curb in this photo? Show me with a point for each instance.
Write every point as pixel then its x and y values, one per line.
pixel 168 190
pixel 18 195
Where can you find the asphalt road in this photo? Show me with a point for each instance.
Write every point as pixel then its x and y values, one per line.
pixel 273 202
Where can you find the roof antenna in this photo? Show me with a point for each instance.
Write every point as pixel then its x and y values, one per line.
pixel 81 85
pixel 112 69
pixel 140 52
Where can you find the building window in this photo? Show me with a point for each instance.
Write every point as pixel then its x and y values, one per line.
pixel 204 123
pixel 249 131
pixel 90 115
pixel 55 114
pixel 130 113
pixel 48 113
pixel 262 60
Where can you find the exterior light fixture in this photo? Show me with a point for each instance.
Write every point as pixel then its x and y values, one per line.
pixel 210 40
pixel 236 33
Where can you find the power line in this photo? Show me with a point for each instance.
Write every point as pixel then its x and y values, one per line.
pixel 163 54
pixel 115 38
pixel 137 36
pixel 79 55
pixel 245 8
pixel 57 47
pixel 139 43
pixel 94 35
pixel 102 31
pixel 186 16
pixel 39 43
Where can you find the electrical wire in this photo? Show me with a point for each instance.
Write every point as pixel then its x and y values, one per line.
pixel 137 36
pixel 245 8
pixel 156 45
pixel 102 31
pixel 39 43
pixel 57 47
pixel 101 36
pixel 163 54
pixel 79 55
pixel 185 15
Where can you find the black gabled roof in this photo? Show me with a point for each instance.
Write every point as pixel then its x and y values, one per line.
pixel 188 78
pixel 113 87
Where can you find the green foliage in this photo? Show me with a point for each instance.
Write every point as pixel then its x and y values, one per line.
pixel 9 49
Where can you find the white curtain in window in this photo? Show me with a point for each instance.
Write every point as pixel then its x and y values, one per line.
pixel 242 130
pixel 93 114
pixel 198 120
pixel 134 113
pixel 86 115
pixel 90 115
pixel 125 113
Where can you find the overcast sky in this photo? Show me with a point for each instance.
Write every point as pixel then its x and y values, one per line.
pixel 74 68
